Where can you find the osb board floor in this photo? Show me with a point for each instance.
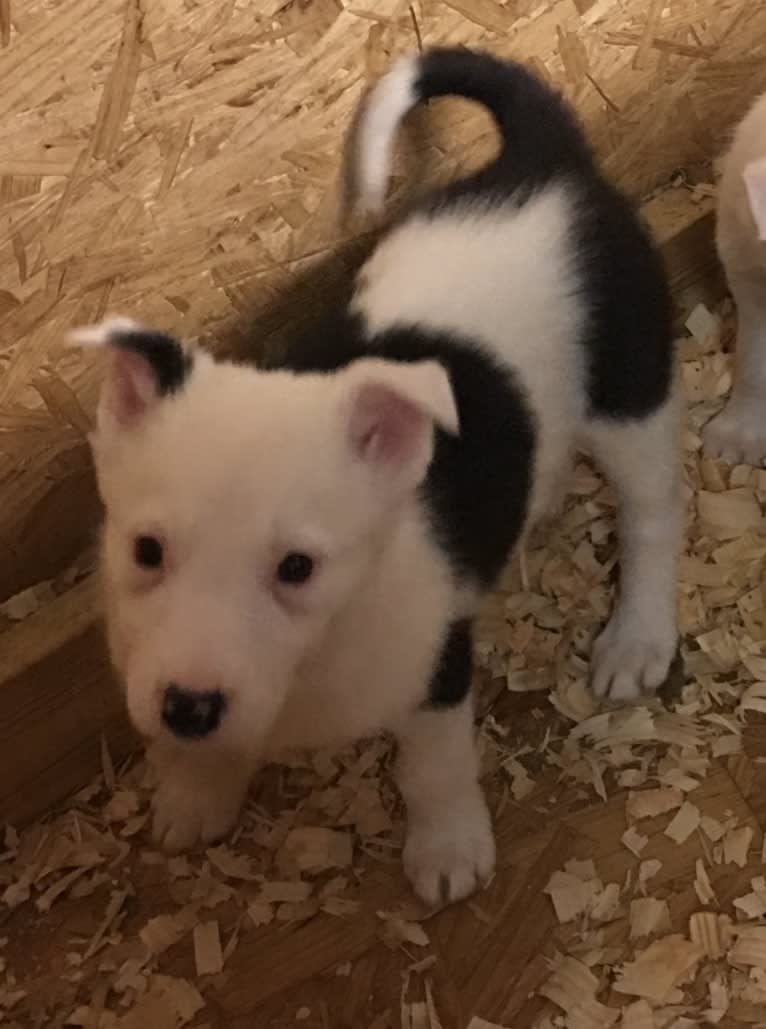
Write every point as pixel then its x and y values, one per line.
pixel 175 160
pixel 631 882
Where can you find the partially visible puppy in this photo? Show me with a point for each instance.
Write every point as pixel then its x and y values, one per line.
pixel 738 433
pixel 294 553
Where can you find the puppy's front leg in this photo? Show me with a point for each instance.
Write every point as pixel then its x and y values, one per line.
pixel 199 794
pixel 450 849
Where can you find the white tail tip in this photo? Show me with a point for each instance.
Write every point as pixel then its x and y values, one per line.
pixel 102 332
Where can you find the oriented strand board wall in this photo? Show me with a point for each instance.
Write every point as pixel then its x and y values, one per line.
pixel 176 159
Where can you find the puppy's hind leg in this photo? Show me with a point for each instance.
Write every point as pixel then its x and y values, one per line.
pixel 643 460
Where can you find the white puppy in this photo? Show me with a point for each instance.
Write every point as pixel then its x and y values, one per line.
pixel 739 432
pixel 294 554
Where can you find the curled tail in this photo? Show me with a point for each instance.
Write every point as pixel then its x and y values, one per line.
pixel 537 128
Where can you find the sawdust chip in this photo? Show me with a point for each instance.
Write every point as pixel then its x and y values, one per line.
pixel 634 841
pixel 316 849
pixel 736 844
pixel 686 820
pixel 749 948
pixel 703 324
pixel 208 956
pixel 648 916
pixel 260 913
pixel 659 968
pixel 637 1015
pixel 285 892
pixel 571 895
pixel 230 864
pixel 482 1023
pixel 753 905
pixel 397 930
pixel 169 1004
pixel 164 931
pixel 702 885
pixel 650 803
pixel 710 932
pixel 573 988
pixel 719 1001
pixel 712 828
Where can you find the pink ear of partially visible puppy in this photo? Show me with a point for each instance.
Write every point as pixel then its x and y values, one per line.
pixel 755 184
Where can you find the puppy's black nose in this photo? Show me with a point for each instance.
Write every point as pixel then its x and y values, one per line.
pixel 192 714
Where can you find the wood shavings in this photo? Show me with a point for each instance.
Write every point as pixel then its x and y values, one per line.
pixel 164 931
pixel 208 956
pixel 710 932
pixel 650 803
pixel 315 849
pixel 703 324
pixel 736 844
pixel 634 841
pixel 573 987
pixel 719 1001
pixel 231 865
pixel 648 916
pixel 397 930
pixel 659 968
pixel 686 820
pixel 571 895
pixel 749 948
pixel 702 885
pixel 637 1016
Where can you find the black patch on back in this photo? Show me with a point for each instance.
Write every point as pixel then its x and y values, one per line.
pixel 630 338
pixel 477 487
pixel 168 360
pixel 451 679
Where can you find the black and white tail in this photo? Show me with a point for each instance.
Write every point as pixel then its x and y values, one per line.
pixel 536 126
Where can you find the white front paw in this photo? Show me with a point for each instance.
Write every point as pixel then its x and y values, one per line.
pixel 738 433
pixel 451 853
pixel 631 655
pixel 188 811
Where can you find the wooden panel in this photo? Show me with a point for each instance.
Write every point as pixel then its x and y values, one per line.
pixel 176 161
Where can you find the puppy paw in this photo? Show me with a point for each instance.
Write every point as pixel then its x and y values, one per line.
pixel 630 656
pixel 449 855
pixel 190 809
pixel 737 434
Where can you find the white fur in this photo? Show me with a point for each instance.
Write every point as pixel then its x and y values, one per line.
pixel 637 647
pixel 739 432
pixel 239 467
pixel 508 279
pixel 390 100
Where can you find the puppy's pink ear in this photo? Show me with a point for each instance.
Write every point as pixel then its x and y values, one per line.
pixel 142 366
pixel 394 407
pixel 755 184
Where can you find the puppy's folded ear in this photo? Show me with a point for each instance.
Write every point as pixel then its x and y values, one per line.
pixel 143 366
pixel 754 175
pixel 391 409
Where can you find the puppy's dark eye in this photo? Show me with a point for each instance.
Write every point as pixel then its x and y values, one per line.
pixel 147 551
pixel 295 568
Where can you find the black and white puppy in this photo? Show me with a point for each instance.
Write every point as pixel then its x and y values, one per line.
pixel 293 554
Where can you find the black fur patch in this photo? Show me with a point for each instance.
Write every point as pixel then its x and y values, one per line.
pixel 451 679
pixel 629 339
pixel 478 484
pixel 168 360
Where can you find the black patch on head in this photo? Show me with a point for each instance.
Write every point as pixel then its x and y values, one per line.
pixel 477 487
pixel 168 360
pixel 451 679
